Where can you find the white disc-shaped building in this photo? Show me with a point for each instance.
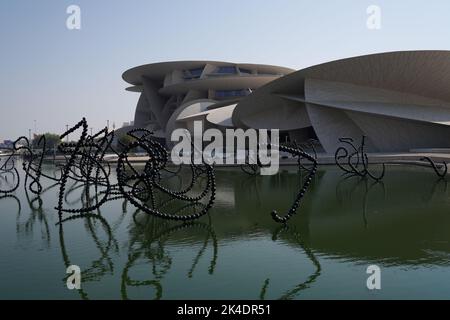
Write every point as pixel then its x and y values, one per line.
pixel 173 94
pixel 399 100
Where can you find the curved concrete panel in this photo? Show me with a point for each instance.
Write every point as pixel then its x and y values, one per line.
pixel 403 97
pixel 287 115
pixel 221 116
pixel 155 101
pixel 185 110
pixel 330 124
pixel 390 103
pixel 142 116
pixel 170 86
pixel 394 134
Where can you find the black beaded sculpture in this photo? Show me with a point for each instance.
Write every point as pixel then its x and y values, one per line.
pixel 32 164
pixel 356 158
pixel 8 169
pixel 440 174
pixel 84 167
pixel 308 144
pixel 139 187
pixel 297 152
pixel 82 157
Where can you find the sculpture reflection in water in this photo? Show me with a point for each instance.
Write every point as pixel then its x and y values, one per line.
pixel 295 152
pixel 148 242
pixel 439 184
pixel 148 257
pixel 357 182
pixel 293 293
pixel 440 173
pixel 104 264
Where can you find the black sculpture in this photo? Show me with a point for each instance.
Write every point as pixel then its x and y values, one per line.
pixel 440 174
pixel 296 152
pixel 84 167
pixel 355 157
pixel 8 169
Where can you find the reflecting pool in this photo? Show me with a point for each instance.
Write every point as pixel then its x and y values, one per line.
pixel 237 251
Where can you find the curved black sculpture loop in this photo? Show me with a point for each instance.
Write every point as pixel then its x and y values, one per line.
pixel 8 169
pixel 440 174
pixel 84 168
pixel 309 144
pixel 356 156
pixel 139 187
pixel 32 172
pixel 311 173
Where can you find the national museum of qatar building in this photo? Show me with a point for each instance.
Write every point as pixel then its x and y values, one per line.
pixel 399 100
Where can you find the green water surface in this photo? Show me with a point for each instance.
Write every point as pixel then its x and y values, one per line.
pixel 237 251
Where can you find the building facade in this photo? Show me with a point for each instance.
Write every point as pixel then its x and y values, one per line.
pixel 173 94
pixel 399 100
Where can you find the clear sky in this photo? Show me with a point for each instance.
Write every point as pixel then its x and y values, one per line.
pixel 56 76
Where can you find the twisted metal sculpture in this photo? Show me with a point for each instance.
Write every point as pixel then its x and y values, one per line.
pixel 31 172
pixel 440 174
pixel 308 144
pixel 355 157
pixel 80 164
pixel 84 168
pixel 253 169
pixel 8 168
pixel 296 152
pixel 139 187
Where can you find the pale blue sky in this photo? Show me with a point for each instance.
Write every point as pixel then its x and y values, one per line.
pixel 56 76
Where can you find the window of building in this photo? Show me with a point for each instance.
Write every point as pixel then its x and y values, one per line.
pixel 224 94
pixel 245 71
pixel 193 73
pixel 226 70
